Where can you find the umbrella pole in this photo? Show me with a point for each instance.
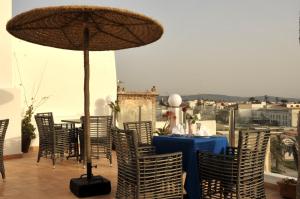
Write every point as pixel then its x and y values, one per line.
pixel 87 141
pixel 91 185
pixel 232 127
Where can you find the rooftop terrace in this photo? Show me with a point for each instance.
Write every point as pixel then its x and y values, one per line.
pixel 28 180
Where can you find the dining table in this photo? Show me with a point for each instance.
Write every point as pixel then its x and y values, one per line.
pixel 190 146
pixel 76 137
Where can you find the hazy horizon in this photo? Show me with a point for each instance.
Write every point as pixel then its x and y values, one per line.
pixel 238 48
pixel 238 96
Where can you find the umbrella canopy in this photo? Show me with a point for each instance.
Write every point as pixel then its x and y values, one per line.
pixel 85 28
pixel 62 27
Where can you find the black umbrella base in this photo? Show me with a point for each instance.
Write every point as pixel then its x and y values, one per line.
pixel 97 185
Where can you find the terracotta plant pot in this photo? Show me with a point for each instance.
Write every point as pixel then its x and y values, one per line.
pixel 287 190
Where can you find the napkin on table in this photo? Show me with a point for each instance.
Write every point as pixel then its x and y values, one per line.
pixel 178 129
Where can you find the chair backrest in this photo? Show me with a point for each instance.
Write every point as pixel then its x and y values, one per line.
pixel 251 153
pixel 100 134
pixel 46 114
pixel 100 126
pixel 45 125
pixel 3 128
pixel 127 154
pixel 143 130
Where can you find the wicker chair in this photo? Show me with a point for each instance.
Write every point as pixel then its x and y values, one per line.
pixel 3 128
pixel 100 135
pixel 154 176
pixel 53 139
pixel 143 130
pixel 240 172
pixel 73 145
pixel 295 153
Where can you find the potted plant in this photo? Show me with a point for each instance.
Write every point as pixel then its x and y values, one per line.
pixel 27 129
pixel 115 108
pixel 287 188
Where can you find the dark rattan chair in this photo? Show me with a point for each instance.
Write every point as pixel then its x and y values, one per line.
pixel 295 149
pixel 73 145
pixel 101 138
pixel 3 128
pixel 53 139
pixel 143 130
pixel 240 172
pixel 153 176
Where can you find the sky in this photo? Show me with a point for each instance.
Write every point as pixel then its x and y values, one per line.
pixel 232 47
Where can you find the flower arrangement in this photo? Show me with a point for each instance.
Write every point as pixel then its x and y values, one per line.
pixel 170 117
pixel 191 118
pixel 188 117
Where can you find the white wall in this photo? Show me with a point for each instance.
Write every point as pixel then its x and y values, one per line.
pixel 10 102
pixel 58 75
pixel 10 108
pixel 5 45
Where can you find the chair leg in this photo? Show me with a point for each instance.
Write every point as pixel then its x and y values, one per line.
pixel 3 175
pixel 2 170
pixel 53 161
pixel 39 155
pixel 110 159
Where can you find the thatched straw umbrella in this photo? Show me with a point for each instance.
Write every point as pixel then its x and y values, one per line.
pixel 85 28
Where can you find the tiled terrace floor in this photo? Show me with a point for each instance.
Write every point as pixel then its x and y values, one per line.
pixel 27 180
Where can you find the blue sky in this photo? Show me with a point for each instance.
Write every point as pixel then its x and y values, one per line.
pixel 233 47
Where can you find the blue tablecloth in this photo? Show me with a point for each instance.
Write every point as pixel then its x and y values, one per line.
pixel 189 146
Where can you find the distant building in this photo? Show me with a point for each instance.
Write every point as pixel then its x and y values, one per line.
pixel 269 114
pixel 130 102
pixel 193 103
pixel 279 115
pixel 294 108
pixel 245 112
pixel 274 115
pixel 220 105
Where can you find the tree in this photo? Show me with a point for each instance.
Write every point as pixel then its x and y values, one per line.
pixel 266 98
pixel 284 101
pixel 252 99
pixel 276 152
pixel 222 116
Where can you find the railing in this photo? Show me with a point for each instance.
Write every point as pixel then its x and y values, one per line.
pixel 279 155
